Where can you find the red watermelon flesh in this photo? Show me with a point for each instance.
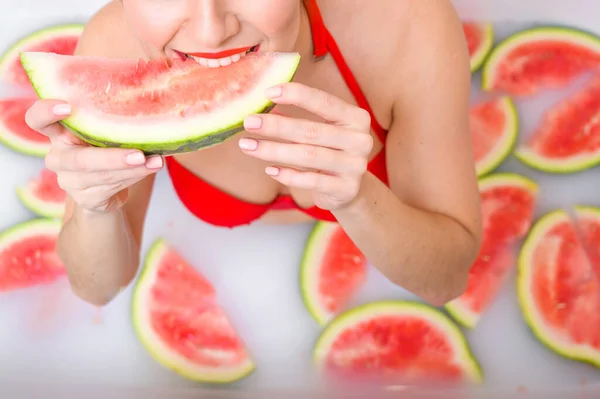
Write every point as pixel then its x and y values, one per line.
pixel 507 202
pixel 479 37
pixel 588 226
pixel 559 292
pixel 15 133
pixel 48 187
pixel 179 320
pixel 568 137
pixel 28 255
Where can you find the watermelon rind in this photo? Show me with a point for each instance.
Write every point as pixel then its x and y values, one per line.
pixel 572 164
pixel 506 144
pixel 154 344
pixel 456 308
pixel 189 134
pixel 35 204
pixel 574 352
pixel 539 33
pixel 19 145
pixel 358 314
pixel 485 47
pixel 28 228
pixel 12 53
pixel 309 268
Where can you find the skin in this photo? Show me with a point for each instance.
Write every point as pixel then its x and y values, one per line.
pixel 422 232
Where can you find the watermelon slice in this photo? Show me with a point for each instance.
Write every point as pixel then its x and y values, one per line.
pixel 43 196
pixel 59 39
pixel 494 128
pixel 568 138
pixel 480 39
pixel 156 107
pixel 540 57
pixel 399 341
pixel 28 255
pixel 332 271
pixel 559 293
pixel 15 133
pixel 179 321
pixel 507 202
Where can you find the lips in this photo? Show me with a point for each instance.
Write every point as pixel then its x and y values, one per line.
pixel 219 59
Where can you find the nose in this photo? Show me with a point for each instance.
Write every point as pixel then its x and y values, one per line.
pixel 210 24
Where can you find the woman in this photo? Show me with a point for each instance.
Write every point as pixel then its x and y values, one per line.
pixel 373 133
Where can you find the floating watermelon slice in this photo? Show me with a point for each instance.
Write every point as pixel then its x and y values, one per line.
pixel 332 270
pixel 494 128
pixel 179 321
pixel 480 40
pixel 538 58
pixel 127 103
pixel 507 202
pixel 559 293
pixel 60 39
pixel 14 132
pixel 28 255
pixel 397 342
pixel 568 138
pixel 43 196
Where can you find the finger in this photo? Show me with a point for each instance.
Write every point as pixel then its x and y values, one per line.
pixel 82 181
pixel 309 180
pixel 304 156
pixel 91 159
pixel 43 116
pixel 310 132
pixel 319 102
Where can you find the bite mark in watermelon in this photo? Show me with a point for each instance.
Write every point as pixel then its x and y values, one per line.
pixel 494 126
pixel 538 58
pixel 332 271
pixel 28 255
pixel 396 341
pixel 43 196
pixel 59 39
pixel 559 293
pixel 15 133
pixel 179 321
pixel 156 107
pixel 480 40
pixel 568 137
pixel 508 202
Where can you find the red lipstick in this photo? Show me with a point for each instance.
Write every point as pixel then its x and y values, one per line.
pixel 221 54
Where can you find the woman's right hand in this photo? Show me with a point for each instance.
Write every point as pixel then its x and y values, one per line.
pixel 97 179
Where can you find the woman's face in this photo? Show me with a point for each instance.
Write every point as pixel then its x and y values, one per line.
pixel 209 27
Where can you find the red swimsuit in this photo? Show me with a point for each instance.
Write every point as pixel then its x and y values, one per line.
pixel 216 207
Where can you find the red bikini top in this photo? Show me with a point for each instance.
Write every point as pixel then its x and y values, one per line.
pixel 219 208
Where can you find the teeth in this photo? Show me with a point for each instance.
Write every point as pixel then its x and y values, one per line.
pixel 219 62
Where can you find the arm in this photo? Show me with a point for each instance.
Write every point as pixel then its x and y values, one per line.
pixel 424 232
pixel 101 250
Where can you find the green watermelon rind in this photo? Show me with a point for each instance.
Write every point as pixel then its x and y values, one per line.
pixel 316 245
pixel 193 138
pixel 344 320
pixel 480 55
pixel 528 307
pixel 505 146
pixel 540 32
pixel 155 346
pixel 569 165
pixel 27 229
pixel 52 210
pixel 455 308
pixel 12 53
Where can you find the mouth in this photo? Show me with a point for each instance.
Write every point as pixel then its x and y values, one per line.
pixel 222 58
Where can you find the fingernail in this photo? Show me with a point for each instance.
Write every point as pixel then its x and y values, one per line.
pixel 61 109
pixel 253 122
pixel 273 92
pixel 135 158
pixel 272 171
pixel 248 144
pixel 154 162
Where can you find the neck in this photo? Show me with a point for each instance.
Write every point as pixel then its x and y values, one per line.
pixel 304 42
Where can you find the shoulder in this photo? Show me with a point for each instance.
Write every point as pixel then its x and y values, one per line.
pixel 107 34
pixel 397 41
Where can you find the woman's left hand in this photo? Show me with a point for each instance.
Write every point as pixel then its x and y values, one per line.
pixel 329 158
